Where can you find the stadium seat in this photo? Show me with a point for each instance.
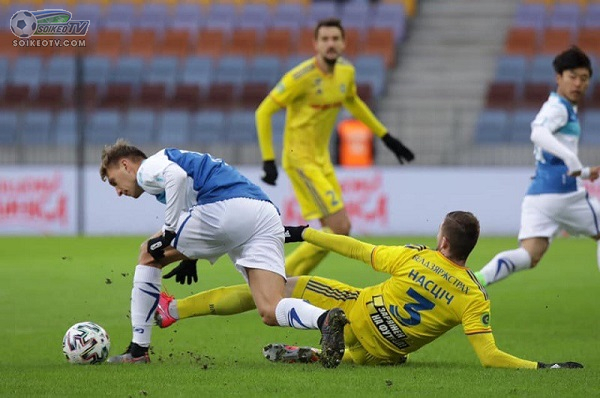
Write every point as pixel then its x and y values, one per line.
pixel 519 126
pixel 176 43
pixel 60 70
pixel 565 16
pixel 163 70
pixel 220 96
pixel 591 16
pixel 278 42
pixel 231 69
pixel 555 40
pixel 320 10
pixel 4 69
pixel 143 43
pixel 588 40
pixel 264 69
pixel 254 17
pixel 501 95
pixel 128 70
pixel 139 126
pixel 491 127
pixel 110 43
pixel 15 95
pixel 153 16
pixel 293 60
pixel 212 42
pixel 117 95
pixel 36 128
pixel 188 16
pixel 252 94
pixel 52 96
pixel 371 69
pixel 521 41
pixel 593 101
pixel 186 96
pixel 511 69
pixel 88 11
pixel 207 127
pixel 173 128
pixel 198 70
pixel 26 70
pixel 530 16
pixel 9 123
pixel 354 42
pixel 355 15
pixel 535 94
pixel 7 49
pixel 244 42
pixel 380 41
pixel 65 128
pixel 241 127
pixel 288 16
pixel 103 127
pixel 305 42
pixel 120 15
pixel 96 70
pixel 153 95
pixel 541 70
pixel 590 126
pixel 390 16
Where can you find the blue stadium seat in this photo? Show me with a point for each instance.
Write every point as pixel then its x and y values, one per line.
pixel 9 123
pixel 565 16
pixel 231 69
pixel 36 128
pixel 65 128
pixel 591 18
pixel 26 71
pixel 371 69
pixel 519 125
pixel 491 127
pixel 173 128
pixel 590 127
pixel 356 15
pixel 197 70
pixel 103 127
pixel 390 15
pixel 254 16
pixel 530 16
pixel 139 126
pixel 320 10
pixel 241 127
pixel 265 69
pixel 511 69
pixel 60 70
pixel 288 16
pixel 163 70
pixel 220 14
pixel 120 16
pixel 96 70
pixel 293 61
pixel 128 70
pixel 541 70
pixel 153 16
pixel 4 68
pixel 207 127
pixel 88 11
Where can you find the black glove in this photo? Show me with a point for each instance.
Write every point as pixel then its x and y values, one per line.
pixel 184 272
pixel 270 170
pixel 402 153
pixel 560 365
pixel 156 246
pixel 294 234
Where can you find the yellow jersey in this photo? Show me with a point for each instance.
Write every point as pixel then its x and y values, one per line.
pixel 426 296
pixel 312 99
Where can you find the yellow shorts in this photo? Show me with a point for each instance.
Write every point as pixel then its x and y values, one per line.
pixel 317 190
pixel 328 293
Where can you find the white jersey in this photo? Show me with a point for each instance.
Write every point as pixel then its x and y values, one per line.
pixel 560 117
pixel 182 179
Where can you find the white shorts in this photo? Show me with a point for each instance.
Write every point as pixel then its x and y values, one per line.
pixel 250 231
pixel 543 216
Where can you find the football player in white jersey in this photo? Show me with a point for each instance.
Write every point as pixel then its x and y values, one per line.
pixel 211 210
pixel 555 200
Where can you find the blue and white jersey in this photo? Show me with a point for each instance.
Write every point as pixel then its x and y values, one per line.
pixel 551 176
pixel 183 179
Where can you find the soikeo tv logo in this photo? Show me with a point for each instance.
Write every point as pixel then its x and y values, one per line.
pixel 55 22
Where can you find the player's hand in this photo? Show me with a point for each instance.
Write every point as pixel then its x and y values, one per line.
pixel 560 365
pixel 185 272
pixel 270 170
pixel 156 246
pixel 402 153
pixel 294 234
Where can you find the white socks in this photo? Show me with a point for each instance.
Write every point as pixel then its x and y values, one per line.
pixel 506 263
pixel 297 314
pixel 144 300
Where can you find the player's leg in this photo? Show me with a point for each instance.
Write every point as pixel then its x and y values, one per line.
pixel 144 301
pixel 538 226
pixel 320 197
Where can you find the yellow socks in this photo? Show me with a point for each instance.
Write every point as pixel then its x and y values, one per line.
pixel 220 301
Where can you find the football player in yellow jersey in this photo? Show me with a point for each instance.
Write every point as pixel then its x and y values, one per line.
pixel 429 292
pixel 312 94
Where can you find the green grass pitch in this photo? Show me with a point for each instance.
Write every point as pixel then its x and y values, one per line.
pixel 48 283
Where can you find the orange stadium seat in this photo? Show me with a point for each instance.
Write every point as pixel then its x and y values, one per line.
pixel 521 41
pixel 278 42
pixel 244 42
pixel 6 46
pixel 143 43
pixel 354 40
pixel 305 42
pixel 211 42
pixel 555 40
pixel 380 41
pixel 176 43
pixel 109 43
pixel 589 40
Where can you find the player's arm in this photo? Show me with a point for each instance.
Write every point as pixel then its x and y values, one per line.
pixel 264 128
pixel 491 357
pixel 344 245
pixel 361 111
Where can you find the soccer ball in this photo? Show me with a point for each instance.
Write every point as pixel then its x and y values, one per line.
pixel 23 24
pixel 86 343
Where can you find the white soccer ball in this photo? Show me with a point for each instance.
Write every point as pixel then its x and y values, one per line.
pixel 23 24
pixel 86 343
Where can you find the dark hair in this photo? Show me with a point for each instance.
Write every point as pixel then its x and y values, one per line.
pixel 111 154
pixel 330 23
pixel 572 58
pixel 461 229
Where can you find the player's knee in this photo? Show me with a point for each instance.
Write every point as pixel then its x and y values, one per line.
pixel 342 227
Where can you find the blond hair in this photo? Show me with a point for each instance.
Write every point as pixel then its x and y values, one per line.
pixel 111 154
